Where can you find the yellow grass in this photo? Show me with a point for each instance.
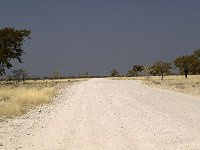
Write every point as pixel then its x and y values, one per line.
pixel 53 81
pixel 16 100
pixel 174 83
pixel 126 78
pixel 177 83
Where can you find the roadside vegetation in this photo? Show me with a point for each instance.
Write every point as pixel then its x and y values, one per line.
pixel 114 73
pixel 18 93
pixel 184 65
pixel 183 74
pixel 176 83
pixel 15 100
pixel 173 82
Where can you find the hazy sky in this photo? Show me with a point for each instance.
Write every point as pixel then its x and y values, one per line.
pixel 75 36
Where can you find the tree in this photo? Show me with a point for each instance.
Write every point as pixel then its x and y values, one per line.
pixel 56 74
pixel 24 75
pixel 114 73
pixel 17 75
pixel 161 68
pixel 85 75
pixel 188 64
pixel 11 42
pixel 197 53
pixel 130 73
pixel 147 72
pixel 135 70
pixel 152 70
pixel 138 68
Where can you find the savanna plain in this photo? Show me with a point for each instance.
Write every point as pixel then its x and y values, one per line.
pixel 130 113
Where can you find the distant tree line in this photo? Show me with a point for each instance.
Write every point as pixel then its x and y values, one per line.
pixel 187 65
pixel 11 42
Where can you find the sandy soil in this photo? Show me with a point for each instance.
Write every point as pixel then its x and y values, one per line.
pixel 108 114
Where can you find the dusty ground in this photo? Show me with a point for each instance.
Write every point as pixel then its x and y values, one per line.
pixel 191 85
pixel 111 115
pixel 177 83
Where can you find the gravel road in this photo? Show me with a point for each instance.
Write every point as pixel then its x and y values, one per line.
pixel 103 114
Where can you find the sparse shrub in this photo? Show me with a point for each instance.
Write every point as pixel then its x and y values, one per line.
pixel 160 68
pixel 114 73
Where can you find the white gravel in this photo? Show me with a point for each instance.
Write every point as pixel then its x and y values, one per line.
pixel 108 114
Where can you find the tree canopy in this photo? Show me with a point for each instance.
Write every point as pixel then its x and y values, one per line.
pixel 160 68
pixel 114 73
pixel 197 53
pixel 135 70
pixel 11 42
pixel 188 64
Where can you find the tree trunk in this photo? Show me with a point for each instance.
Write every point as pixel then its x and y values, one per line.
pixel 162 77
pixel 186 75
pixel 186 72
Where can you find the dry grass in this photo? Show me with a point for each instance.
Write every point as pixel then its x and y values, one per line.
pixel 174 83
pixel 16 100
pixel 126 78
pixel 177 83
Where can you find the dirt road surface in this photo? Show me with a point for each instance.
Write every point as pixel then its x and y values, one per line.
pixel 103 114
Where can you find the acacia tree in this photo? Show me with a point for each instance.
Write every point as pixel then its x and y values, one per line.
pixel 24 75
pixel 188 64
pixel 11 42
pixel 147 72
pixel 135 70
pixel 130 73
pixel 138 68
pixel 114 73
pixel 85 75
pixel 197 54
pixel 56 74
pixel 18 74
pixel 161 68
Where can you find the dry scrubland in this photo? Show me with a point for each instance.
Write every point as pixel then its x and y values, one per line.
pixel 108 115
pixel 174 83
pixel 16 100
pixel 177 83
